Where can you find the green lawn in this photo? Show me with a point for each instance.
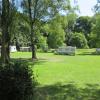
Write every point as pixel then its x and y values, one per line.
pixel 80 70
pixel 50 69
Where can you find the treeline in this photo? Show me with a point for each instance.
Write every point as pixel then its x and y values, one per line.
pixel 46 24
pixel 69 30
pixel 25 26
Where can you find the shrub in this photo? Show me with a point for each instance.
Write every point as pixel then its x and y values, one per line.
pixel 42 41
pixel 16 82
pixel 78 40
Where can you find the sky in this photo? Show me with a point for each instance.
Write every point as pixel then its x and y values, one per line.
pixel 86 7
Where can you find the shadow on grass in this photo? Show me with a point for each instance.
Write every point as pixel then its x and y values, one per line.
pixel 67 92
pixel 29 61
pixel 89 53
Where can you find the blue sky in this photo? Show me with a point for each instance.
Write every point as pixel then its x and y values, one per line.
pixel 86 6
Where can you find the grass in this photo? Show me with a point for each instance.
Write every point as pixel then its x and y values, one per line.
pixel 66 74
pixel 82 69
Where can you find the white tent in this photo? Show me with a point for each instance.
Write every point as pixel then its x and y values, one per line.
pixel 12 49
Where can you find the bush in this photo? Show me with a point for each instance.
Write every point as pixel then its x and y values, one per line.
pixel 45 48
pixel 78 40
pixel 16 82
pixel 42 41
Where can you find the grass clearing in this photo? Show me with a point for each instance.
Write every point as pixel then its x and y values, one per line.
pixel 56 73
pixel 82 69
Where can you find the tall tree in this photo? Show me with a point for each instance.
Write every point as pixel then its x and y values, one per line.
pixel 71 18
pixel 55 31
pixel 5 31
pixel 32 21
pixel 96 31
pixel 42 10
pixel 7 16
pixel 83 24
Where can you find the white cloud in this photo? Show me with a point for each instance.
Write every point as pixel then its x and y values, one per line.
pixel 86 7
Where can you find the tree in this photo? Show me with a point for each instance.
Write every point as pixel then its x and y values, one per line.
pixel 32 25
pixel 20 33
pixel 54 30
pixel 71 18
pixel 84 25
pixel 56 35
pixel 92 40
pixel 5 22
pixel 78 40
pixel 96 31
pixel 42 10
pixel 7 15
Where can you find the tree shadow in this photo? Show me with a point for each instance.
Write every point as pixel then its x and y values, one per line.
pixel 68 92
pixel 29 61
pixel 89 53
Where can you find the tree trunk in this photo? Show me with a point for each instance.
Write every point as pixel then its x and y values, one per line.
pixel 31 31
pixel 33 52
pixel 33 44
pixel 5 54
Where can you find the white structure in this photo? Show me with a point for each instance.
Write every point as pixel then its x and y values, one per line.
pixel 12 49
pixel 69 50
pixel 98 50
pixel 25 49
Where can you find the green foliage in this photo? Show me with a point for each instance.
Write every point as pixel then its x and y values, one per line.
pixel 92 40
pixel 16 82
pixel 71 18
pixel 56 36
pixel 84 25
pixel 46 8
pixel 42 43
pixel 45 48
pixel 96 30
pixel 55 31
pixel 78 40
pixel 20 35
